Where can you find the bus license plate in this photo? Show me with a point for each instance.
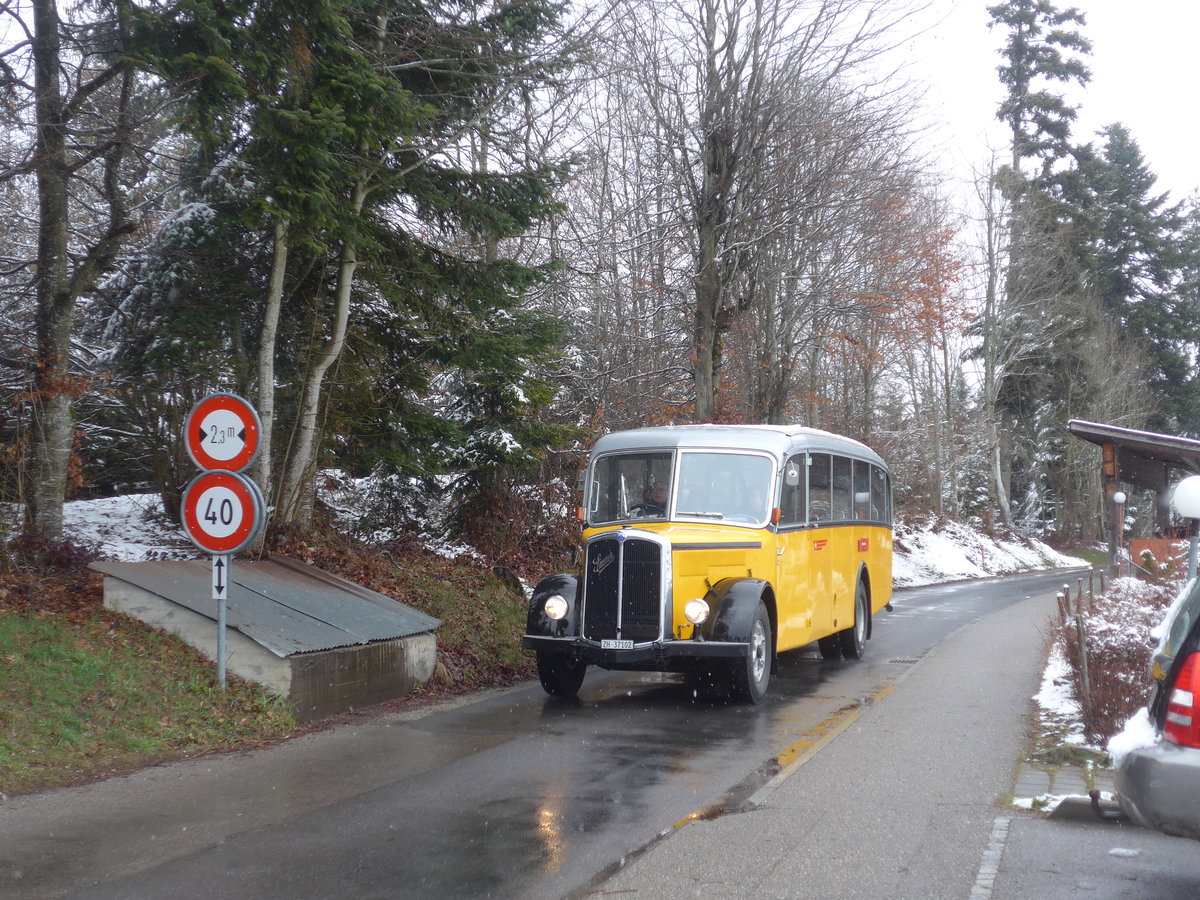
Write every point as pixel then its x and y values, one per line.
pixel 616 645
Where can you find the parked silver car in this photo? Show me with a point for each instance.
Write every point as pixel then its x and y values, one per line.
pixel 1158 786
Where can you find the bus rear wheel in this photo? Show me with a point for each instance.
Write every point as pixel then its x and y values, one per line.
pixel 853 640
pixel 830 647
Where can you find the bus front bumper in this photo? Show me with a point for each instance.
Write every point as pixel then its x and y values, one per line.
pixel 654 655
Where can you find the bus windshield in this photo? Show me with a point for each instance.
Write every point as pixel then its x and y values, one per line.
pixel 631 486
pixel 734 487
pixel 730 487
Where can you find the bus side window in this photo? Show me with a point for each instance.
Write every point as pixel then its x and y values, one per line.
pixel 862 491
pixel 841 489
pixel 879 504
pixel 819 497
pixel 791 496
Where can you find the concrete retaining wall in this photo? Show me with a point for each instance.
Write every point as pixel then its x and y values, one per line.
pixel 316 683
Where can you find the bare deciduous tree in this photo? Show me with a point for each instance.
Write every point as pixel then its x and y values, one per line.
pixel 71 94
pixel 715 76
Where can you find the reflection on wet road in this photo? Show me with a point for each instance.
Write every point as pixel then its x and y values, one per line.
pixel 558 791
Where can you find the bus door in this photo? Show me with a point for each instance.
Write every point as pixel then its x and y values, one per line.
pixel 821 541
pixel 803 564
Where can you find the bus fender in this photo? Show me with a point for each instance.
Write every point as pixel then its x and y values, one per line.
pixel 537 622
pixel 734 602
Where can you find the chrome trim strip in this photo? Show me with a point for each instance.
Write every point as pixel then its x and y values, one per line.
pixel 723 545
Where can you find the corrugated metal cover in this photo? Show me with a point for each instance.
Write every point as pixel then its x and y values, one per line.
pixel 283 604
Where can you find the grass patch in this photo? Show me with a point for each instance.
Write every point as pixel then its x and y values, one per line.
pixel 94 694
pixel 1070 755
pixel 479 641
pixel 86 693
pixel 1095 557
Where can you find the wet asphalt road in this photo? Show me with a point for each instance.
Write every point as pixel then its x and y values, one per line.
pixel 517 795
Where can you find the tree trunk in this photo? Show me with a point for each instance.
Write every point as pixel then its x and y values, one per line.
pixel 295 494
pixel 59 283
pixel 1003 504
pixel 712 215
pixel 704 346
pixel 52 425
pixel 266 356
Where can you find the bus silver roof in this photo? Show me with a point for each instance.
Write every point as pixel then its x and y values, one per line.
pixel 778 440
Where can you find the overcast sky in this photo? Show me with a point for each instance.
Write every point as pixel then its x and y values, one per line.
pixel 1144 74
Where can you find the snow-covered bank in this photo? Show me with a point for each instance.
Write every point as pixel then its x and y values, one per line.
pixel 132 528
pixel 932 552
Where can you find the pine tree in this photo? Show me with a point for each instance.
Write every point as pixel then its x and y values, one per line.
pixel 1136 255
pixel 1041 282
pixel 355 128
pixel 1042 48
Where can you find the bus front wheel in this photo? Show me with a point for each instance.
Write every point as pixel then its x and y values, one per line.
pixel 752 674
pixel 559 674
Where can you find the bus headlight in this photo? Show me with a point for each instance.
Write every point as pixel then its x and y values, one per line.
pixel 556 606
pixel 696 611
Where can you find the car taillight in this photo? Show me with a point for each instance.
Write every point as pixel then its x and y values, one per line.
pixel 1183 719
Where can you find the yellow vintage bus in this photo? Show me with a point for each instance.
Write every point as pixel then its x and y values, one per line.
pixel 708 549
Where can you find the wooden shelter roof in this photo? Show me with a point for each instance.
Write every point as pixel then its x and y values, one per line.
pixel 1143 457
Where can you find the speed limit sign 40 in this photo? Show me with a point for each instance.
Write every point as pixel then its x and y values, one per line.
pixel 222 511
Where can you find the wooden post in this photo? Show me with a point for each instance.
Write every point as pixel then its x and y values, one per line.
pixel 1084 681
pixel 1110 484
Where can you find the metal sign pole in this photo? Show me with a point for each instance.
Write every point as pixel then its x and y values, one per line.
pixel 221 643
pixel 1193 541
pixel 222 568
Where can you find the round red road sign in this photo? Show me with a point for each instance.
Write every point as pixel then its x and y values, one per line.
pixel 222 511
pixel 222 431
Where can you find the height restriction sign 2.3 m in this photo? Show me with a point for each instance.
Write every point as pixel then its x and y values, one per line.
pixel 222 512
pixel 222 431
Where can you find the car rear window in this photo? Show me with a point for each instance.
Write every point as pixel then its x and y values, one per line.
pixel 1175 627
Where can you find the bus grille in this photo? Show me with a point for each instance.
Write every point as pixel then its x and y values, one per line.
pixel 622 590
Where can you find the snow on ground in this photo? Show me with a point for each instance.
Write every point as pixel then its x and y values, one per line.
pixel 932 553
pixel 134 528
pixel 1057 699
pixel 1138 732
pixel 131 528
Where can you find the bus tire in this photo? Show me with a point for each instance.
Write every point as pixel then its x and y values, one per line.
pixel 752 675
pixel 830 647
pixel 853 640
pixel 560 675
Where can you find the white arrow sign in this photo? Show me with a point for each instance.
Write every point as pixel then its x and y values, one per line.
pixel 220 577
